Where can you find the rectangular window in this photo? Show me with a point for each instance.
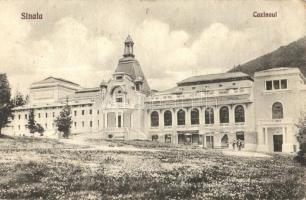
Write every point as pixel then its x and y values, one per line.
pixel 98 112
pixel 46 115
pixel 75 113
pixel 53 114
pixel 119 100
pixel 284 84
pixel 276 84
pixel 38 115
pixel 119 121
pixel 268 85
pixel 90 111
pixel 98 123
pixel 19 116
pixel 82 124
pixel 90 123
pixel 26 116
pixel 46 125
pixel 83 112
pixel 75 124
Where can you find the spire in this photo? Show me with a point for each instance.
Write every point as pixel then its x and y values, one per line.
pixel 128 47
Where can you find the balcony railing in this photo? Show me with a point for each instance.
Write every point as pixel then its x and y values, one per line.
pixel 275 121
pixel 219 127
pixel 194 95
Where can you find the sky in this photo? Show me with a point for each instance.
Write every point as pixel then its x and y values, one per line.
pixel 82 41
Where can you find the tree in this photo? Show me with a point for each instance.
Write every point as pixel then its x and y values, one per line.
pixel 19 99
pixel 31 122
pixel 63 121
pixel 32 125
pixel 40 129
pixel 5 102
pixel 301 137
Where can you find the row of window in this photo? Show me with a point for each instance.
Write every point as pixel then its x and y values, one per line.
pixel 276 84
pixel 53 114
pixel 277 113
pixel 75 125
pixel 194 116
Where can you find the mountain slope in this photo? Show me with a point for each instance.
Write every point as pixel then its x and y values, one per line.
pixel 292 55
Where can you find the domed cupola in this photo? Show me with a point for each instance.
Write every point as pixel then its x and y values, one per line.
pixel 130 66
pixel 128 47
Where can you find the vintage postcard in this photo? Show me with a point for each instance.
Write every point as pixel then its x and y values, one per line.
pixel 153 99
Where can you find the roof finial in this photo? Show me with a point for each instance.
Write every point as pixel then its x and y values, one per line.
pixel 128 47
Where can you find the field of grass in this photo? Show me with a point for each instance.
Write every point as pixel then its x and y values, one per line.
pixel 32 168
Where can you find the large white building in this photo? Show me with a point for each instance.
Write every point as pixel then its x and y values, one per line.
pixel 208 110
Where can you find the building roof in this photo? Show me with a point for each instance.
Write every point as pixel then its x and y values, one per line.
pixel 129 39
pixel 86 90
pixel 52 79
pixel 129 65
pixel 214 78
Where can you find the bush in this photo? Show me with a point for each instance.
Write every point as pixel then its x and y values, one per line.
pixel 301 156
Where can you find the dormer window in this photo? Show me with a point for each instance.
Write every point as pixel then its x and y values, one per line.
pixel 137 87
pixel 119 77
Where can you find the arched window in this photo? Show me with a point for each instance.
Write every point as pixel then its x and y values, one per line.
pixel 154 119
pixel 181 117
pixel 167 118
pixel 224 114
pixel 224 141
pixel 239 114
pixel 194 116
pixel 277 111
pixel 209 116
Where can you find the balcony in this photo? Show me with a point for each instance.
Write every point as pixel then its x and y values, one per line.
pixel 197 95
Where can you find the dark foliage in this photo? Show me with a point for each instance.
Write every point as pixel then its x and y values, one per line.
pixel 5 102
pixel 292 55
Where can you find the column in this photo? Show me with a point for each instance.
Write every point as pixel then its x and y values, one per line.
pixel 216 115
pixel 232 114
pixel 105 120
pixel 161 119
pixel 187 117
pixel 174 120
pixel 262 135
pixel 201 116
pixel 287 141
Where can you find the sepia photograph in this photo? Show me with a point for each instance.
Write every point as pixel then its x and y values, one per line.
pixel 153 99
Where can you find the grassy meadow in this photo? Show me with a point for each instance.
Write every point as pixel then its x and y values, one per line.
pixel 33 168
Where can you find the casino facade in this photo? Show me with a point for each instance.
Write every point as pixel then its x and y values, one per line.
pixel 211 110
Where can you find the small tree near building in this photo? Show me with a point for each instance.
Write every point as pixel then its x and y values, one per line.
pixel 63 121
pixel 31 122
pixel 40 129
pixel 301 137
pixel 33 126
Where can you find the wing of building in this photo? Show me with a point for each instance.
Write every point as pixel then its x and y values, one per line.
pixel 213 111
